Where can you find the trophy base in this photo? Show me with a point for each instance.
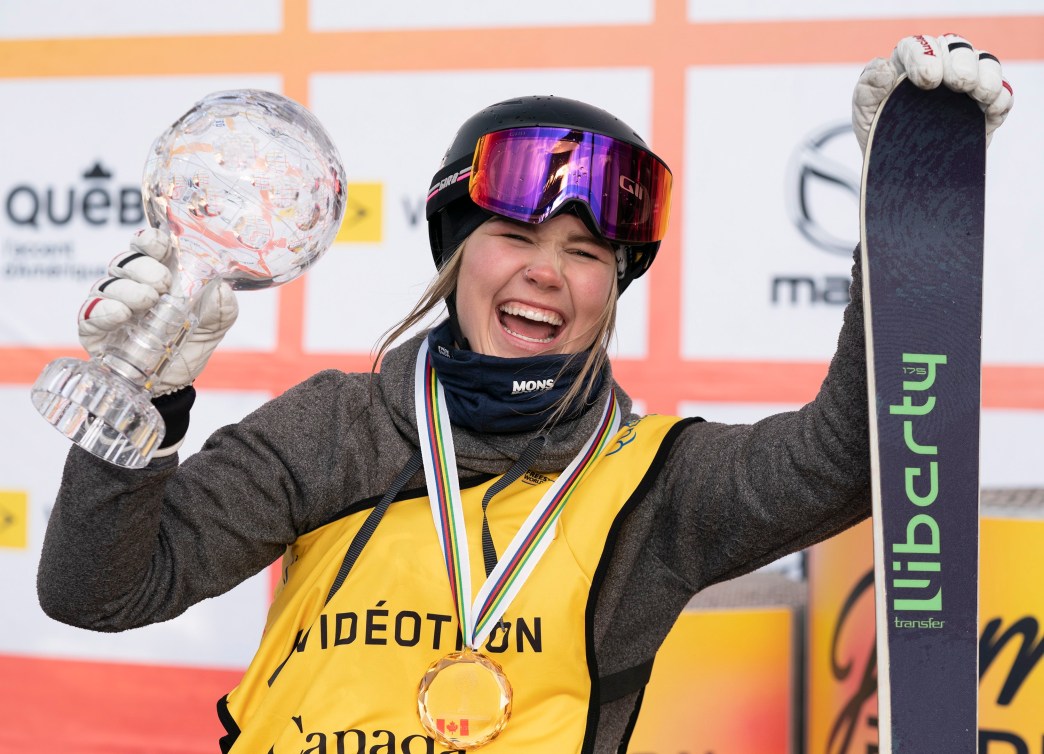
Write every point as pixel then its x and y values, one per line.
pixel 99 410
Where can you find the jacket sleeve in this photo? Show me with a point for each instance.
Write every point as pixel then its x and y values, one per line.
pixel 741 496
pixel 125 548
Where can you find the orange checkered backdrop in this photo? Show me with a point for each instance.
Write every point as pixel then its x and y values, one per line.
pixel 748 102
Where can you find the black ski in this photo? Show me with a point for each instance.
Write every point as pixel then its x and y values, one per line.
pixel 922 244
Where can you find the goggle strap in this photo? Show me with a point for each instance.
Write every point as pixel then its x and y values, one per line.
pixel 451 182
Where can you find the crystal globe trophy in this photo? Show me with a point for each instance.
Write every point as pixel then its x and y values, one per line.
pixel 251 190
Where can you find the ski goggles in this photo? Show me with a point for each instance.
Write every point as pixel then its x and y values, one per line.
pixel 528 173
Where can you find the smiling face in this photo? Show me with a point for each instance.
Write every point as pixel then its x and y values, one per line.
pixel 524 289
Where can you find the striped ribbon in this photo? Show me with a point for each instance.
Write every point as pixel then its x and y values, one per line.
pixel 478 619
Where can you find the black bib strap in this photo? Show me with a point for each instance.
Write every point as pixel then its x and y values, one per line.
pixel 229 724
pixel 363 536
pixel 624 682
pixel 520 467
pixel 370 524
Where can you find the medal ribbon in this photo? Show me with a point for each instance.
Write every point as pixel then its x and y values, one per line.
pixel 478 619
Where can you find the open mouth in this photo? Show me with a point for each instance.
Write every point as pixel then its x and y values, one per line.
pixel 529 324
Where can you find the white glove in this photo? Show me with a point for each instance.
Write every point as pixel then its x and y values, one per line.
pixel 138 277
pixel 928 62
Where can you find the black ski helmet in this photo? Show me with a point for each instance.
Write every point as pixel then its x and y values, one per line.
pixel 452 215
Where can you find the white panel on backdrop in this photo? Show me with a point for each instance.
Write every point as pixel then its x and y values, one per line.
pixel 771 211
pixel 755 286
pixel 220 632
pixel 424 14
pixel 1012 448
pixel 765 10
pixel 70 194
pixel 1014 267
pixel 51 19
pixel 393 129
pixel 734 413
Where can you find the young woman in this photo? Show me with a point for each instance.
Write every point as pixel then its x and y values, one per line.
pixel 482 545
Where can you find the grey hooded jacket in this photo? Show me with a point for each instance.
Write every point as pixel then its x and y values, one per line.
pixel 127 548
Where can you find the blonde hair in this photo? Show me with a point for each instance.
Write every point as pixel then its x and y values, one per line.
pixel 445 284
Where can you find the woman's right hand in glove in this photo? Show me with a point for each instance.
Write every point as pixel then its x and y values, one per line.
pixel 136 280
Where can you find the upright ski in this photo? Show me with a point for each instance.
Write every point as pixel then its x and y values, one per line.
pixel 922 246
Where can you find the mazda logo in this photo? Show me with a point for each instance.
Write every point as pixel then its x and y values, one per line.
pixel 822 188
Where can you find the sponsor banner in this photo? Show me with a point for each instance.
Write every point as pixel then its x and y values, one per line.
pixel 220 632
pixel 842 676
pixel 52 19
pixel 758 280
pixel 370 281
pixel 841 704
pixel 771 209
pixel 327 15
pixel 70 196
pixel 770 10
pixel 722 682
pixel 1011 631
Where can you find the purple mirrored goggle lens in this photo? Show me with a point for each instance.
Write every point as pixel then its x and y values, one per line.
pixel 527 174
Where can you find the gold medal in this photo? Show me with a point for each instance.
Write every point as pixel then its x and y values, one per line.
pixel 464 700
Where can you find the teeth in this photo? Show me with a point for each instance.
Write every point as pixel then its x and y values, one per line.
pixel 526 337
pixel 532 314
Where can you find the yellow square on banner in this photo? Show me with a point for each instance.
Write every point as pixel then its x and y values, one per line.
pixel 14 519
pixel 362 214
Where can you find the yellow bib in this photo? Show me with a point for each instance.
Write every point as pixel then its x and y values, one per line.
pixel 343 678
